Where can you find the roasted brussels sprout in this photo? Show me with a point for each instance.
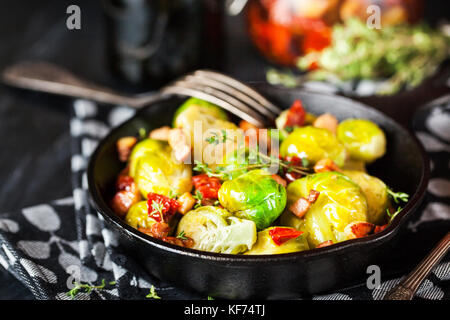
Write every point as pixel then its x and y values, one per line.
pixel 138 216
pixel 376 194
pixel 363 139
pixel 157 172
pixel 313 144
pixel 254 195
pixel 341 201
pixel 141 148
pixel 216 230
pixel 214 135
pixel 194 109
pixel 266 245
pixel 237 162
pixel 280 122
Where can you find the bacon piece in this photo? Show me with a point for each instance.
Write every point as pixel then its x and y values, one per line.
pixel 260 136
pixel 157 230
pixel 325 244
pixel 358 229
pixel 122 202
pixel 186 242
pixel 186 201
pixel 124 146
pixel 279 180
pixel 326 121
pixel 180 144
pixel 160 133
pixel 302 205
pixel 313 195
pixel 325 165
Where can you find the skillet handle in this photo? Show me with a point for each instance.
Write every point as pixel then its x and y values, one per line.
pixel 406 289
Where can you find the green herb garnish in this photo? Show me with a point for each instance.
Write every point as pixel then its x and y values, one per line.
pixel 182 235
pixel 398 196
pixel 87 288
pixel 152 294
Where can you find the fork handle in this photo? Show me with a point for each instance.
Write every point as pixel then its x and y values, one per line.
pixel 406 289
pixel 46 77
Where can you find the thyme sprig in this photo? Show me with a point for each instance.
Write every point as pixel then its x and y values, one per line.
pixel 152 294
pixel 226 173
pixel 182 235
pixel 87 288
pixel 392 215
pixel 158 207
pixel 398 196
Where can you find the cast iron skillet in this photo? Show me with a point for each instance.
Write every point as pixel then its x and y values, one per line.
pixel 284 276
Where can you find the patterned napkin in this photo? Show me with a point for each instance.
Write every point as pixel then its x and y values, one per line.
pixel 49 246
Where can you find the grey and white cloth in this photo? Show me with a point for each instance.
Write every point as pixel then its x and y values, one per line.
pixel 49 246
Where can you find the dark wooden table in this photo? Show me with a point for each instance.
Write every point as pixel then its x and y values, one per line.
pixel 34 128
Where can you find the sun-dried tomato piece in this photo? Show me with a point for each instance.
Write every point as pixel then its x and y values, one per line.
pixel 296 115
pixel 280 235
pixel 160 207
pixel 207 186
pixel 380 228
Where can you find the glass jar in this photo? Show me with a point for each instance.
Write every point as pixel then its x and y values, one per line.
pixel 283 30
pixel 150 42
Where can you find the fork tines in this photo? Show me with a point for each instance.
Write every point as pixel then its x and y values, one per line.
pixel 228 93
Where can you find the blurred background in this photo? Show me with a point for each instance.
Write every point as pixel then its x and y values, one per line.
pixel 138 45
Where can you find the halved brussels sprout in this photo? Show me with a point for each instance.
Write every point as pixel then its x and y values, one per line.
pixel 137 216
pixel 157 172
pixel 216 230
pixel 340 202
pixel 363 139
pixel 313 144
pixel 376 194
pixel 265 244
pixel 254 195
pixel 143 147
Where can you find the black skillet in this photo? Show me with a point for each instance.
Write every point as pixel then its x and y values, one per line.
pixel 404 167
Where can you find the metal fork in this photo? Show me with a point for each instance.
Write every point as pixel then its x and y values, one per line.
pixel 406 289
pixel 222 90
